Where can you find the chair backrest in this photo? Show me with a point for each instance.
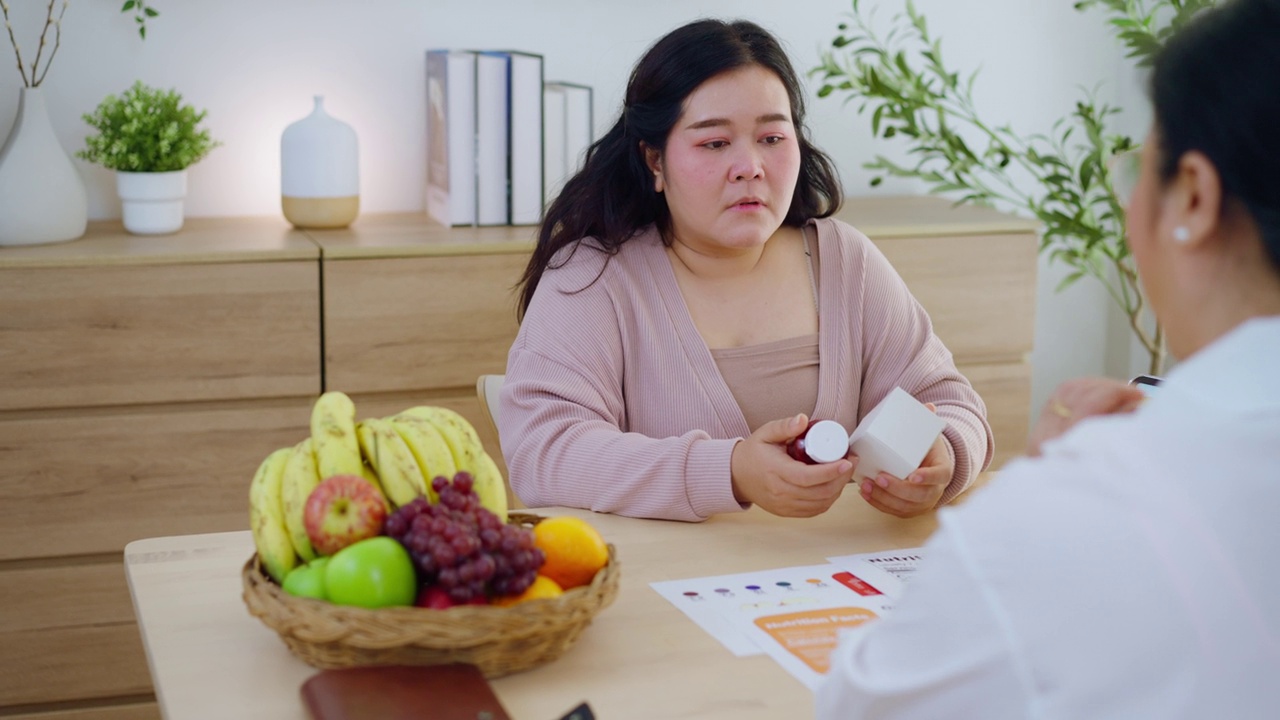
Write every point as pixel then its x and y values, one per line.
pixel 487 389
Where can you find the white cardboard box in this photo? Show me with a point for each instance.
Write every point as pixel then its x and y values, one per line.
pixel 895 436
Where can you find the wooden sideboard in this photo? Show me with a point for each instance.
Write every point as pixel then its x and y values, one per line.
pixel 142 379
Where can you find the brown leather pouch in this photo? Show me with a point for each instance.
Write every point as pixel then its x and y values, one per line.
pixel 401 692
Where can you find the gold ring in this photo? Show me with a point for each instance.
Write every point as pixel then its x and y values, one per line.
pixel 1059 409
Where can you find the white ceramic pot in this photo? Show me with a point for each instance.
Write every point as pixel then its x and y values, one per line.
pixel 42 198
pixel 319 171
pixel 152 202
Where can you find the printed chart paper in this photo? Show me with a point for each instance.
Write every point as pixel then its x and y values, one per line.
pixel 802 641
pixel 890 570
pixel 793 614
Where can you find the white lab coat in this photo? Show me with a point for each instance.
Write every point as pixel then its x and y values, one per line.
pixel 1132 571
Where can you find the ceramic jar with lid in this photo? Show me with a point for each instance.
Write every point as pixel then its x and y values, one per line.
pixel 319 171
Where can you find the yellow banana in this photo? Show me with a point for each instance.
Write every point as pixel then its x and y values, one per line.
pixel 490 487
pixel 266 516
pixel 468 453
pixel 429 448
pixel 333 435
pixel 300 477
pixel 464 442
pixel 392 460
pixel 368 474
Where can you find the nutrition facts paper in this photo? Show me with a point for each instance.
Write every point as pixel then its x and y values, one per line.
pixel 793 614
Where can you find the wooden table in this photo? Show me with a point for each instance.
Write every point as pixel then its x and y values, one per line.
pixel 641 657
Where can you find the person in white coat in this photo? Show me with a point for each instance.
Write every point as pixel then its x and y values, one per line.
pixel 1129 566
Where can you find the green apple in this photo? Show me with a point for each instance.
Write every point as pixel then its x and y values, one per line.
pixel 307 580
pixel 372 573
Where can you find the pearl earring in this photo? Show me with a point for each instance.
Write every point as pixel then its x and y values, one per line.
pixel 1181 234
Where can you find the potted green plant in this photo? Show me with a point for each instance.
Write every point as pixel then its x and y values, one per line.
pixel 150 138
pixel 914 96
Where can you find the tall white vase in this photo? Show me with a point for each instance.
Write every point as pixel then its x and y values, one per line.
pixel 42 197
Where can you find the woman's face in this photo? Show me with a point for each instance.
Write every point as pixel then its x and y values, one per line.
pixel 731 162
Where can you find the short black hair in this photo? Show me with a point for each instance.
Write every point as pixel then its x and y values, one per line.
pixel 1216 90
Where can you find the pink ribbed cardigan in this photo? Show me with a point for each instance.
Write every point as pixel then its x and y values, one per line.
pixel 613 402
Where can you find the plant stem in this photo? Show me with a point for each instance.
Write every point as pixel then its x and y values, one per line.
pixel 57 41
pixel 1158 354
pixel 1153 345
pixel 16 50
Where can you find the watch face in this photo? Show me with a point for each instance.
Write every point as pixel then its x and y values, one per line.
pixel 1149 385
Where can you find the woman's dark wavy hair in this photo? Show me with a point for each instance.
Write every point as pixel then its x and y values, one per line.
pixel 613 197
pixel 1216 89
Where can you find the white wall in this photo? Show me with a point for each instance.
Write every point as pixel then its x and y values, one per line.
pixel 255 65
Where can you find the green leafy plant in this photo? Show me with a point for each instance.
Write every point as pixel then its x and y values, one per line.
pixel 35 75
pixel 146 130
pixel 913 95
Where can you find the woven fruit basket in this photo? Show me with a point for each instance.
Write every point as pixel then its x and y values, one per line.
pixel 498 640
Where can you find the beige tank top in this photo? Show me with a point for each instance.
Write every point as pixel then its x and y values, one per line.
pixel 778 379
pixel 772 380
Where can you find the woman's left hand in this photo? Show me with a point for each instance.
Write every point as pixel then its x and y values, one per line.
pixel 919 492
pixel 1081 399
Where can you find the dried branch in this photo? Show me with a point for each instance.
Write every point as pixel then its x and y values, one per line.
pixel 16 50
pixel 57 41
pixel 142 12
pixel 48 20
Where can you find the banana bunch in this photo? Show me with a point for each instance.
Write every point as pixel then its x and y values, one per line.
pixel 399 455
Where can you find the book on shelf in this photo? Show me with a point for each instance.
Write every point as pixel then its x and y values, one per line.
pixel 509 137
pixel 485 138
pixel 492 178
pixel 569 131
pixel 451 136
pixel 555 170
pixel 525 137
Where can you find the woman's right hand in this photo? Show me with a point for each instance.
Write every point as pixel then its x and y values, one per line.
pixel 764 474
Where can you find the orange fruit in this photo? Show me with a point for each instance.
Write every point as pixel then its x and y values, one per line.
pixel 575 551
pixel 542 587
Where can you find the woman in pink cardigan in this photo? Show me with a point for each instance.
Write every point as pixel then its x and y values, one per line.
pixel 690 305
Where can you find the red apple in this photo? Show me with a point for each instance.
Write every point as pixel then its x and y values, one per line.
pixel 343 509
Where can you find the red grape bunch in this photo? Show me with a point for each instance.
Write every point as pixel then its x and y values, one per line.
pixel 461 547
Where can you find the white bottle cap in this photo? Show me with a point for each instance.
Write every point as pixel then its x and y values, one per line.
pixel 827 441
